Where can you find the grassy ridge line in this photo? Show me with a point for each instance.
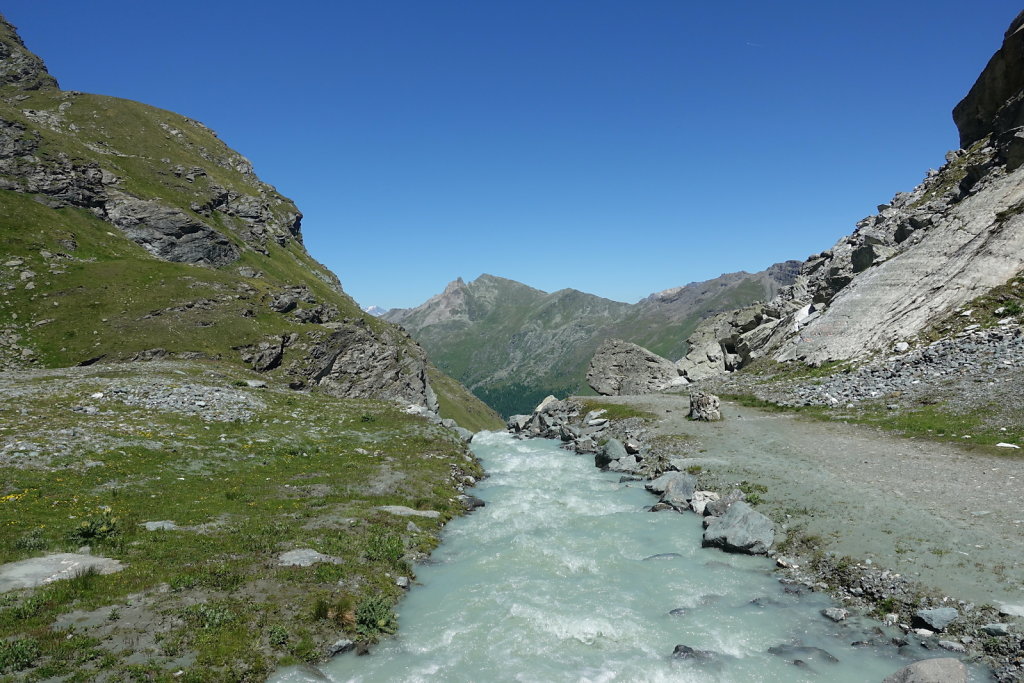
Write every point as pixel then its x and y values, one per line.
pixel 305 471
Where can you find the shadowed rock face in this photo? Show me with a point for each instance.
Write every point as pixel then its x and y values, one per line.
pixel 994 104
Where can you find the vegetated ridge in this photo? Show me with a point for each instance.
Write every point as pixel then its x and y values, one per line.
pixel 512 344
pixel 212 463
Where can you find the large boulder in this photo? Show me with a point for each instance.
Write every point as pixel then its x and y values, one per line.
pixel 705 407
pixel 620 367
pixel 740 530
pixel 612 451
pixel 679 490
pixel 940 670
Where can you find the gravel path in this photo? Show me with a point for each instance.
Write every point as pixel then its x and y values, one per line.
pixel 949 518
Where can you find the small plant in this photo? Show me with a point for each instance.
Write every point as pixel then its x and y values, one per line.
pixel 98 527
pixel 339 610
pixel 207 616
pixel 367 418
pixel 694 469
pixel 374 619
pixel 277 636
pixel 19 654
pixel 33 540
pixel 384 547
pixel 114 614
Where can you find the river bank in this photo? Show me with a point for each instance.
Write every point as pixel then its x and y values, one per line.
pixel 931 518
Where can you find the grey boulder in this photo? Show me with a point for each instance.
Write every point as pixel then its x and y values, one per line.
pixel 941 670
pixel 936 619
pixel 740 530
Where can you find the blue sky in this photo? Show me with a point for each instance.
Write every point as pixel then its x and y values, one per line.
pixel 616 147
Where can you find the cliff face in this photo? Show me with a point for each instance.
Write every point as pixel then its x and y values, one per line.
pixel 513 345
pixel 921 257
pixel 134 232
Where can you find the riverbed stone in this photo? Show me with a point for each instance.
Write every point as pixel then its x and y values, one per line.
pixel 996 629
pixel 936 619
pixel 701 499
pixel 611 451
pixel 679 491
pixel 717 508
pixel 836 614
pixel 740 530
pixel 939 670
pixel 689 653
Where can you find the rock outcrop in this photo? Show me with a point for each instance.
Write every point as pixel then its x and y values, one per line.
pixel 19 67
pixel 924 254
pixel 620 367
pixel 93 178
pixel 357 361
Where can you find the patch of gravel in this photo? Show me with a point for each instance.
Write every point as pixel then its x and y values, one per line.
pixel 52 414
pixel 977 369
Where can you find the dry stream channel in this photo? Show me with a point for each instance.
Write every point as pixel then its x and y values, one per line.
pixel 565 576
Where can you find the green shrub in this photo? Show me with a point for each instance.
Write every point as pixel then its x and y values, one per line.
pixel 19 654
pixel 33 540
pixel 375 618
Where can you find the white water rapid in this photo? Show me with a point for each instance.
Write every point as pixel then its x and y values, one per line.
pixel 549 582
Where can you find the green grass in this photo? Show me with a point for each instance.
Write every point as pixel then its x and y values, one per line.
pixel 306 471
pixel 456 402
pixel 614 411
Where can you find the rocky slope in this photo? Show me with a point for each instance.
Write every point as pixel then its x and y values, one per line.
pixel 133 232
pixel 921 257
pixel 512 344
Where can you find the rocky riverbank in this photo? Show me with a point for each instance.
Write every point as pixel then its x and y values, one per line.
pixel 807 560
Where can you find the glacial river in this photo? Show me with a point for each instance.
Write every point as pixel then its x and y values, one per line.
pixel 553 581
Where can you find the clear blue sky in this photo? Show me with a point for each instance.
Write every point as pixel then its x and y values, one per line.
pixel 616 147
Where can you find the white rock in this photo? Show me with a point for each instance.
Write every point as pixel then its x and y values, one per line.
pixel 1003 444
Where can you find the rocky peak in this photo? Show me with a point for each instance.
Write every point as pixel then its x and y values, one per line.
pixel 995 105
pixel 19 68
pixel 454 285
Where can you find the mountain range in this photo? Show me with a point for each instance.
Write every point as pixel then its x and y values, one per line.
pixel 512 344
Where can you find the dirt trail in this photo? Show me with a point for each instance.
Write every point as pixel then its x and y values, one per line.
pixel 950 518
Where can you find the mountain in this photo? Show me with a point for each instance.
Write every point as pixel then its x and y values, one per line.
pixel 910 267
pixel 512 344
pixel 135 232
pixel 207 450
